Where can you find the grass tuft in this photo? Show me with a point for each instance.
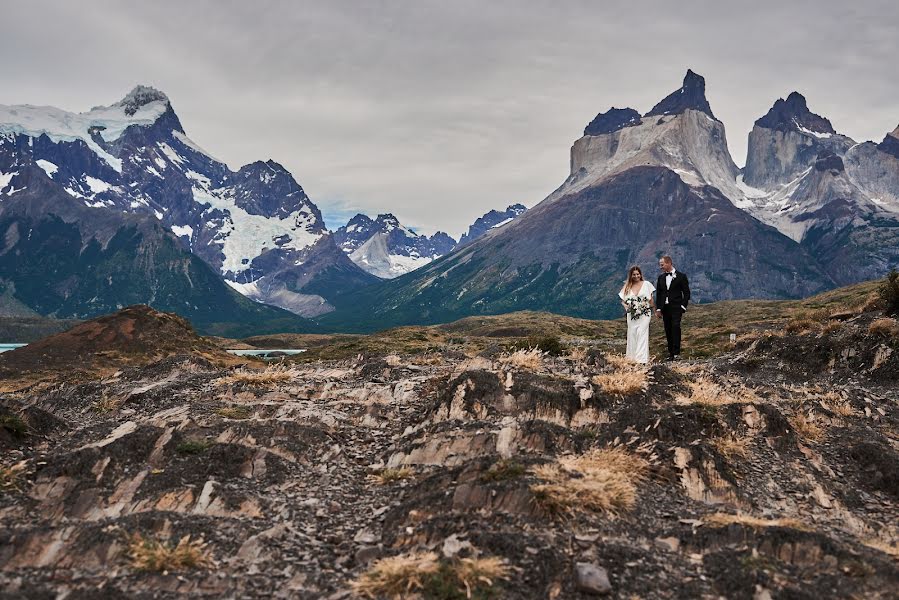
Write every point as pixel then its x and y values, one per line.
pixel 423 575
pixel 726 519
pixel 731 446
pixel 388 476
pixel 884 327
pixel 148 554
pixel 603 480
pixel 707 392
pixel 890 549
pixel 806 427
pixel 799 326
pixel 11 478
pixel 193 447
pixel 503 470
pixel 622 383
pixel 14 425
pixel 531 359
pixel 235 412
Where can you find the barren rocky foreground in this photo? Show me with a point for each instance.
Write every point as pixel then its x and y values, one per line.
pixel 771 471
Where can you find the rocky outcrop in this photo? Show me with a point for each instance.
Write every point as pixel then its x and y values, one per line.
pixel 690 96
pixel 612 120
pixel 580 477
pixel 787 141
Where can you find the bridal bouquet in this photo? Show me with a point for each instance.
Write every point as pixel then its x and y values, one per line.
pixel 638 306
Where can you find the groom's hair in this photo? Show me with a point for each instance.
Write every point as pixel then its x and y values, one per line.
pixel 667 260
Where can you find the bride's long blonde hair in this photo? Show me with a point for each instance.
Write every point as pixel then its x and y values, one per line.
pixel 627 280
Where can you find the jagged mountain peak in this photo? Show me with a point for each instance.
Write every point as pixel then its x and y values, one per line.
pixel 793 114
pixel 613 120
pixel 690 96
pixel 890 143
pixel 140 96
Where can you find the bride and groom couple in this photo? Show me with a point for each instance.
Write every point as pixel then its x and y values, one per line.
pixel 672 294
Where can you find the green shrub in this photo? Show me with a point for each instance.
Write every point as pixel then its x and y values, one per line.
pixel 889 293
pixel 192 447
pixel 14 425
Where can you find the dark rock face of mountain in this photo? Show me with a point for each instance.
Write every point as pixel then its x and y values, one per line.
pixel 612 120
pixel 690 96
pixel 787 140
pixel 63 259
pixel 571 255
pixel 793 113
pixel 387 249
pixel 489 220
pixel 828 161
pixel 134 156
pixel 890 144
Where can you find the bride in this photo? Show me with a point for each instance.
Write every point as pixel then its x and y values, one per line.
pixel 636 298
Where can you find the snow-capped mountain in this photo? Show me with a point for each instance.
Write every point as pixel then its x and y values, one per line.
pixel 386 248
pixel 255 226
pixel 63 259
pixel 493 219
pixel 639 187
pixel 837 198
pixel 680 133
pixel 786 141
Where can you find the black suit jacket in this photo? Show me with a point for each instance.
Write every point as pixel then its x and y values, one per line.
pixel 677 295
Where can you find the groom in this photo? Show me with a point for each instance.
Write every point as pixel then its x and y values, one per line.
pixel 672 297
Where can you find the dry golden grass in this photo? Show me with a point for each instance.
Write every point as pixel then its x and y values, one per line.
pixel 707 392
pixel 271 375
pixel 832 327
pixel 885 327
pixel 475 572
pixel 732 446
pixel 424 575
pixel 890 549
pixel 621 363
pixel 685 369
pixel 603 480
pixel 806 427
pixel 725 519
pixel 11 478
pixel 622 383
pixel 108 403
pixel 388 476
pixel 531 359
pixel 397 576
pixel 800 326
pixel 577 354
pixel 235 412
pixel 152 555
pixel 836 404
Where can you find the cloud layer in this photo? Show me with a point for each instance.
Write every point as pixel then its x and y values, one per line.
pixel 440 111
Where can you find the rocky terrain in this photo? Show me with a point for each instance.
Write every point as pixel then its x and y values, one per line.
pixel 768 471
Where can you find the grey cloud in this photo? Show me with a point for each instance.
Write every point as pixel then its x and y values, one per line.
pixel 439 111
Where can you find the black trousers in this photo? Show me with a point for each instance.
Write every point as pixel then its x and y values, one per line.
pixel 671 317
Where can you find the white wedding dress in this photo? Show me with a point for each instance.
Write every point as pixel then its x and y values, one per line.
pixel 638 329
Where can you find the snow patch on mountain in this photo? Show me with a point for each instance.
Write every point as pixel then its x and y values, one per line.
pixel 244 236
pixel 48 167
pixel 375 257
pixel 106 122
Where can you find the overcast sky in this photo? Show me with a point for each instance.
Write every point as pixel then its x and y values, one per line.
pixel 438 111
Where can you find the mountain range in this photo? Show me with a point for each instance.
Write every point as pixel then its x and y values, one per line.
pixel 811 210
pixel 118 205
